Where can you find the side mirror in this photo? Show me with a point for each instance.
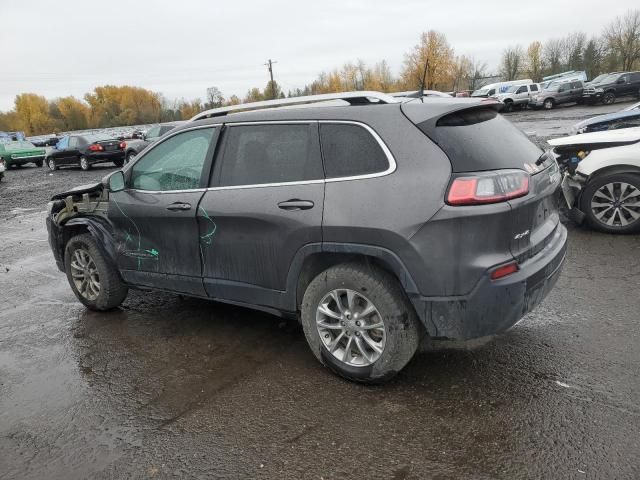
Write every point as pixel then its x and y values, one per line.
pixel 115 181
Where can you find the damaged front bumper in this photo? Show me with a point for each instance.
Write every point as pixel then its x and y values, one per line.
pixel 571 187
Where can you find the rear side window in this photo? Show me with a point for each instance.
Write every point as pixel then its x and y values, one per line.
pixel 349 150
pixel 481 139
pixel 259 154
pixel 534 88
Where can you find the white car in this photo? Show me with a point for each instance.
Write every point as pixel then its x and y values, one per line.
pixel 602 178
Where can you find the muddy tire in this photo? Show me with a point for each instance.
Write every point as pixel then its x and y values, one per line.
pixel 612 203
pixel 51 163
pixel 93 278
pixel 609 98
pixel 359 346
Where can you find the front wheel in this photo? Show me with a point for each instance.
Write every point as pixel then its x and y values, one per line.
pixel 93 279
pixel 609 98
pixel 359 323
pixel 612 203
pixel 508 106
pixel 548 104
pixel 84 163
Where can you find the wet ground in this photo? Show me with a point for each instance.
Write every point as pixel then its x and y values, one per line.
pixel 168 387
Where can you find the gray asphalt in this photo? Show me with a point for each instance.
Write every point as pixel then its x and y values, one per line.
pixel 170 387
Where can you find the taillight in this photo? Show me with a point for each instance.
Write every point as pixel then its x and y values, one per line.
pixel 490 187
pixel 96 147
pixel 504 270
pixel 123 145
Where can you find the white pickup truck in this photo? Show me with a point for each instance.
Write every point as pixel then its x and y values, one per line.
pixel 517 95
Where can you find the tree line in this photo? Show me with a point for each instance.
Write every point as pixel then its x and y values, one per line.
pixel 432 60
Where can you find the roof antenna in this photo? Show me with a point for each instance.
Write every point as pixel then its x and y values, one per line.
pixel 420 93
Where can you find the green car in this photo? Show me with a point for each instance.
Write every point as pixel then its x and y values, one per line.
pixel 21 152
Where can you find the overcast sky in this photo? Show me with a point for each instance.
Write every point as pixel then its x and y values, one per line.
pixel 180 48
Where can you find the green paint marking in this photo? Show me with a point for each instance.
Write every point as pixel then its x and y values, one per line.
pixel 153 252
pixel 207 238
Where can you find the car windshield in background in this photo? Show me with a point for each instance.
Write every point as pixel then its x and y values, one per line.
pixel 512 89
pixel 599 78
pixel 96 137
pixel 480 93
pixel 608 79
pixel 18 145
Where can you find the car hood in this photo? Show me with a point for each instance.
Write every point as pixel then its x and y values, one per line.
pixel 607 118
pixel 80 190
pixel 613 137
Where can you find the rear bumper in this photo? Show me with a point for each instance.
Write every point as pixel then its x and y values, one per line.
pixel 105 156
pixel 495 306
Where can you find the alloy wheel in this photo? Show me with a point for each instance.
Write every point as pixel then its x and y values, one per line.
pixel 616 204
pixel 351 327
pixel 84 273
pixel 84 164
pixel 52 164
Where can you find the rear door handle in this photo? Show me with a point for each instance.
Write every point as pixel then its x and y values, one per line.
pixel 179 206
pixel 296 204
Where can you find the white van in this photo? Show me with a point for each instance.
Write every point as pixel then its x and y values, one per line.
pixel 494 89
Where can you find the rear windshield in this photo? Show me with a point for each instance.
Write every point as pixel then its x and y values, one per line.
pixel 481 139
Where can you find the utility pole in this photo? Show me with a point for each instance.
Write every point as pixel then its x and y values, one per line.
pixel 269 65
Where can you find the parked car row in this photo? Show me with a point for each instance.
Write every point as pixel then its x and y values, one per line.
pixel 568 87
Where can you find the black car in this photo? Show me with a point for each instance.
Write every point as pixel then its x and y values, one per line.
pixel 376 223
pixel 135 146
pixel 612 86
pixel 86 150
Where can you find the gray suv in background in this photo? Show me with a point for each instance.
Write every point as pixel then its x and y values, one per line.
pixel 135 146
pixel 558 93
pixel 376 223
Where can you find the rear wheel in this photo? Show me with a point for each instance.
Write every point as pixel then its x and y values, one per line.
pixel 359 323
pixel 84 163
pixel 549 104
pixel 609 98
pixel 612 203
pixel 130 156
pixel 52 164
pixel 95 281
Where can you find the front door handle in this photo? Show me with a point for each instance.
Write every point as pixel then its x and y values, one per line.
pixel 179 206
pixel 296 204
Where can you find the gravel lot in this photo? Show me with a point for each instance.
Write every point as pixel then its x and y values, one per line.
pixel 169 387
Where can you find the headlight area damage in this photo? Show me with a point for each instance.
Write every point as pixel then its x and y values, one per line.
pixel 81 209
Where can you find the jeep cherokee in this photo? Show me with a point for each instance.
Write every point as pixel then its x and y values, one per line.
pixel 375 223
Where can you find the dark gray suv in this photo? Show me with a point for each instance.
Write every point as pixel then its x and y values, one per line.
pixel 376 223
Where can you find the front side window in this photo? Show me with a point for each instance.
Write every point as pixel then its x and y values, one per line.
pixel 349 150
pixel 522 90
pixel 270 153
pixel 175 164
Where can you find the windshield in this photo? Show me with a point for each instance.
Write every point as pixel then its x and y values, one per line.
pixel 607 79
pixel 96 137
pixel 599 78
pixel 19 145
pixel 480 93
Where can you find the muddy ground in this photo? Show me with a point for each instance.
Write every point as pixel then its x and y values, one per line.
pixel 167 387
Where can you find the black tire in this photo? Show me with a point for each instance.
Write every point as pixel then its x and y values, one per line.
pixel 118 163
pixel 39 163
pixel 51 163
pixel 84 164
pixel 508 106
pixel 401 324
pixel 609 98
pixel 112 291
pixel 595 186
pixel 548 104
pixel 130 156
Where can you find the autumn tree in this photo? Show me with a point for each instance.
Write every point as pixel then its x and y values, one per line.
pixel 32 114
pixel 434 53
pixel 189 109
pixel 111 105
pixel 74 114
pixel 215 99
pixel 534 61
pixel 623 39
pixel 511 62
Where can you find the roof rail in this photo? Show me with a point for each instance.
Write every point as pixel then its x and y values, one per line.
pixel 353 98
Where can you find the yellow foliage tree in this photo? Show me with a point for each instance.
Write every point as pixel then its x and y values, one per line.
pixel 436 54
